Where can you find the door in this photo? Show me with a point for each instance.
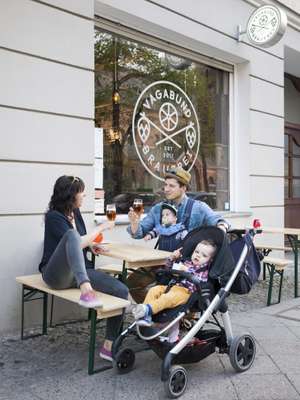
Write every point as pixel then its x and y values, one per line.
pixel 292 176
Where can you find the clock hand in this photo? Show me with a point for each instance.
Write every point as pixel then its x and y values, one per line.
pixel 259 26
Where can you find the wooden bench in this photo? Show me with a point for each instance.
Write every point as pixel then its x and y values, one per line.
pixel 33 287
pixel 275 266
pixel 114 269
pixel 268 248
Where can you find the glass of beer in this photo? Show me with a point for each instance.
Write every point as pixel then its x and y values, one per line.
pixel 111 212
pixel 138 206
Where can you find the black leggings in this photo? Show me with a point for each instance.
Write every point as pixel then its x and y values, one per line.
pixel 66 268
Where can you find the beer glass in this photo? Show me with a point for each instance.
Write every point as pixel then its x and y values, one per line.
pixel 111 212
pixel 138 206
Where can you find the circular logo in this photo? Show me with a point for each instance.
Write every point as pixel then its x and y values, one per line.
pixel 166 129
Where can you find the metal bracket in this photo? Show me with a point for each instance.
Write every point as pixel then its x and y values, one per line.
pixel 240 32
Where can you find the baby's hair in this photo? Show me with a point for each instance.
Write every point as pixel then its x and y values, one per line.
pixel 209 242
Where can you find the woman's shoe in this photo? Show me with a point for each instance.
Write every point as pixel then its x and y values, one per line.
pixel 90 300
pixel 105 354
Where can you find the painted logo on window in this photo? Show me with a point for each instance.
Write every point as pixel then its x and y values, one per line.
pixel 166 129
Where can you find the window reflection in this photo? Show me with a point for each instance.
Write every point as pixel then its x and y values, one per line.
pixel 123 69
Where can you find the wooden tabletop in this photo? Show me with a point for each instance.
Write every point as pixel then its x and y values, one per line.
pixel 267 229
pixel 136 256
pixel 283 230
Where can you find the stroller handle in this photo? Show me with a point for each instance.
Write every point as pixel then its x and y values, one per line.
pixel 241 232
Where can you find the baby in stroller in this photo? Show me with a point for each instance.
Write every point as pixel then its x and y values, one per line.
pixel 177 292
pixel 234 267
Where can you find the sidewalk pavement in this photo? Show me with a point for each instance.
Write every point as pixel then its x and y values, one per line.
pixel 54 367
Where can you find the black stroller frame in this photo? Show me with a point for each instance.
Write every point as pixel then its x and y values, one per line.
pixel 241 349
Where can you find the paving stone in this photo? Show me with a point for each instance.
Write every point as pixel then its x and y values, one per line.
pixel 54 367
pixel 264 387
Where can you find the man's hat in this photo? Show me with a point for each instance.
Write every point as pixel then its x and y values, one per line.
pixel 170 207
pixel 180 174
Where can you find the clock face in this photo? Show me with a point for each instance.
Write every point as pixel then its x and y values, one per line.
pixel 266 26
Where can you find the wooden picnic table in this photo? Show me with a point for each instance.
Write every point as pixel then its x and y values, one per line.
pixel 293 235
pixel 134 256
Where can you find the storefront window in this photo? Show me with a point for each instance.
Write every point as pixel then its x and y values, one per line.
pixel 156 111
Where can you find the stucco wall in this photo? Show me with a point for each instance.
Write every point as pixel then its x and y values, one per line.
pixel 46 111
pixel 46 125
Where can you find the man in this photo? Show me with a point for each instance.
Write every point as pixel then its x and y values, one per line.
pixel 191 213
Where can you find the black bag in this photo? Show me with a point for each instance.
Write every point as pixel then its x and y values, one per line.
pixel 163 276
pixel 250 270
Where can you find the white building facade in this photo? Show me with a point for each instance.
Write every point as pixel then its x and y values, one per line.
pixel 47 113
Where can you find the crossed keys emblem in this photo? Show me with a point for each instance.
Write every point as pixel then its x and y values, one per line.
pixel 168 118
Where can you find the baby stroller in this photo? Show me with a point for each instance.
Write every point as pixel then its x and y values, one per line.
pixel 197 342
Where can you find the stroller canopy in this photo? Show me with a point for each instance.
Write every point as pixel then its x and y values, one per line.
pixel 223 262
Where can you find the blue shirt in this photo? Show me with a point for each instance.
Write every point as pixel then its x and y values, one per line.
pixel 201 215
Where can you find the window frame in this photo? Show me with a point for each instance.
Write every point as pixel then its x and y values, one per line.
pixel 125 32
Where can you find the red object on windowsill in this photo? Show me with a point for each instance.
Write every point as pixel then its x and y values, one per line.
pixel 256 224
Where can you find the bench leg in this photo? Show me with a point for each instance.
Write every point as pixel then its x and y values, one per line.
pixel 93 328
pixel 51 311
pixel 93 319
pixel 264 271
pixel 271 270
pixel 280 284
pixel 28 294
pixel 45 313
pixel 22 313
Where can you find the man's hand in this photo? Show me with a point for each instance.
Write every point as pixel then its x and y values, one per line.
pixel 147 237
pixel 223 226
pixel 134 220
pixel 133 217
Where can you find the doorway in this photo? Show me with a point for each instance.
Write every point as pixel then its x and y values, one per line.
pixel 292 176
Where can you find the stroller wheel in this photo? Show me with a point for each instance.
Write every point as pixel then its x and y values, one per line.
pixel 176 384
pixel 124 361
pixel 242 352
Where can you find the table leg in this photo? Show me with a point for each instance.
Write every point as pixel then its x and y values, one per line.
pixel 124 273
pixel 295 246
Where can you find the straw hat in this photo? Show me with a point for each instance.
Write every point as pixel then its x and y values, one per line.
pixel 180 174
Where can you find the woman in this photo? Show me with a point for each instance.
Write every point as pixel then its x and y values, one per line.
pixel 65 264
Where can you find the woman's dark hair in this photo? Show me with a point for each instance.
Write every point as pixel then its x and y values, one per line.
pixel 64 194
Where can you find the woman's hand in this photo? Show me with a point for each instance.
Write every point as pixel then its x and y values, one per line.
pixel 147 237
pixel 98 249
